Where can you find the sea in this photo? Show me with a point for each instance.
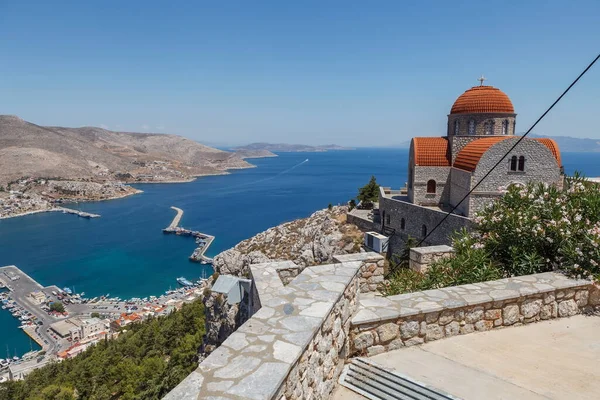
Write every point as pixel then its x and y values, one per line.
pixel 125 254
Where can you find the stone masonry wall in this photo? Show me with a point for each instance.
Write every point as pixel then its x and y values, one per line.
pixel 480 122
pixel 538 297
pixel 420 258
pixel 423 175
pixel 315 374
pixel 415 217
pixel 372 270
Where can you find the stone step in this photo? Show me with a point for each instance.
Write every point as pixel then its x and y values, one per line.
pixel 377 383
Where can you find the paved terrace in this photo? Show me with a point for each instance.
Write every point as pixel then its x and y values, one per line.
pixel 551 360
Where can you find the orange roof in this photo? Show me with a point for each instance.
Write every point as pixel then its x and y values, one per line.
pixel 553 147
pixel 469 156
pixel 482 99
pixel 431 151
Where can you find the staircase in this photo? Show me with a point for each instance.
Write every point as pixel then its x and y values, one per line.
pixel 377 383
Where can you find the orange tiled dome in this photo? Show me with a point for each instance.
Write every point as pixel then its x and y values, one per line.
pixel 482 99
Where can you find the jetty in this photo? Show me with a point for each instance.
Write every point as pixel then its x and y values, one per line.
pixel 81 214
pixel 203 240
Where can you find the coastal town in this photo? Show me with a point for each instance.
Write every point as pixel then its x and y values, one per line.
pixel 64 323
pixel 34 195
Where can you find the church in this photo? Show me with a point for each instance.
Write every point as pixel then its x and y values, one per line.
pixel 442 171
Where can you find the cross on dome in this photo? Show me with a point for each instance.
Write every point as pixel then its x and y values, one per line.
pixel 481 80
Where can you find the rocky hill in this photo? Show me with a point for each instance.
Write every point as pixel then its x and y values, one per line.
pixel 308 241
pixel 27 149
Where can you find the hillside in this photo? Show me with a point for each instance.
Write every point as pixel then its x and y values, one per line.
pixel 145 362
pixel 27 149
pixel 576 145
pixel 286 148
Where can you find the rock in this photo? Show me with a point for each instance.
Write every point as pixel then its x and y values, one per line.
pixel 434 332
pixel 387 332
pixel 363 340
pixel 395 344
pixel 414 341
pixel 493 314
pixel 374 350
pixel 484 325
pixel 510 314
pixel 581 297
pixel 467 328
pixel 409 329
pixel 474 315
pixel 452 329
pixel 531 307
pixel 567 308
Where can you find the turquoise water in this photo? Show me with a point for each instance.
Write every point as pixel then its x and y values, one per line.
pixel 124 252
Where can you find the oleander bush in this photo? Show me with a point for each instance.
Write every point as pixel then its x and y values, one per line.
pixel 531 229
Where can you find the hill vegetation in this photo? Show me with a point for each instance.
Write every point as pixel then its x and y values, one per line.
pixel 145 362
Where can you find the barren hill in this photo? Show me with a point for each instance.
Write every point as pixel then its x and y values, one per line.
pixel 31 150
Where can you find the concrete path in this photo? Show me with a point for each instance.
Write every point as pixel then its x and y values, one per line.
pixel 177 218
pixel 548 360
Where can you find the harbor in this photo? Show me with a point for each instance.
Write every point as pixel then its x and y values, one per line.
pixel 203 240
pixel 64 331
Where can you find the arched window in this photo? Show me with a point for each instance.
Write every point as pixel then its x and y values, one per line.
pixel 456 126
pixel 489 127
pixel 388 219
pixel 471 127
pixel 514 127
pixel 423 231
pixel 402 224
pixel 513 163
pixel 431 186
pixel 522 163
pixel 505 127
pixel 410 177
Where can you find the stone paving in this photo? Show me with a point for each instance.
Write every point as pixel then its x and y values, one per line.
pixel 375 309
pixel 255 360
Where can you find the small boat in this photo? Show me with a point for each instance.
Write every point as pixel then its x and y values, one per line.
pixel 184 282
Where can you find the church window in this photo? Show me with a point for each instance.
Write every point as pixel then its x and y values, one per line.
pixel 431 186
pixel 471 127
pixel 513 163
pixel 423 231
pixel 410 177
pixel 456 126
pixel 521 163
pixel 388 219
pixel 489 128
pixel 505 127
pixel 402 223
pixel 514 127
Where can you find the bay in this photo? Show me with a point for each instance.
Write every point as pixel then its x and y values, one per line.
pixel 124 252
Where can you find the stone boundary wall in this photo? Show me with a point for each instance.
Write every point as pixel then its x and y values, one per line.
pixel 295 345
pixel 385 324
pixel 362 223
pixel 420 258
pixel 372 271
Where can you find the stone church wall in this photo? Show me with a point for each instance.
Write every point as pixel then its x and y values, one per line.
pixel 415 217
pixel 480 122
pixel 421 176
pixel 460 184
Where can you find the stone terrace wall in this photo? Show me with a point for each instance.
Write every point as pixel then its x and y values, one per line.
pixel 384 324
pixel 295 345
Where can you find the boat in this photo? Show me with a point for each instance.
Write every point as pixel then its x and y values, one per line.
pixel 184 282
pixel 67 291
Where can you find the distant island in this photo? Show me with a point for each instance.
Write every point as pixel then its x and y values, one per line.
pixel 41 166
pixel 289 148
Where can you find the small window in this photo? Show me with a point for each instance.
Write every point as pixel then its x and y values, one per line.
pixel 431 186
pixel 410 177
pixel 471 127
pixel 388 219
pixel 402 224
pixel 522 163
pixel 456 126
pixel 423 231
pixel 505 127
pixel 513 163
pixel 489 128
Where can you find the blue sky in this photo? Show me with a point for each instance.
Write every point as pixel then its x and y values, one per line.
pixel 345 72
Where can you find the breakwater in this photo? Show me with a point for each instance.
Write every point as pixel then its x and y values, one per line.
pixel 203 240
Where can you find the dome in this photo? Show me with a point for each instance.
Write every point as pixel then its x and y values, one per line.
pixel 482 99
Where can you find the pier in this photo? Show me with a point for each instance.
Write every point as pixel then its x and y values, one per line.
pixel 203 240
pixel 81 214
